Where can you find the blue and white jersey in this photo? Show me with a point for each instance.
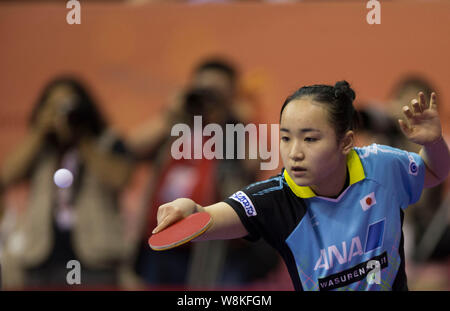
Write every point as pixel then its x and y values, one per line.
pixel 353 242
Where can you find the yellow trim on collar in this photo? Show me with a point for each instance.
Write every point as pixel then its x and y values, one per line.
pixel 300 191
pixel 355 170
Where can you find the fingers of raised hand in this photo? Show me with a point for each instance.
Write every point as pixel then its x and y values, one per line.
pixel 423 102
pixel 433 101
pixel 404 127
pixel 416 107
pixel 407 112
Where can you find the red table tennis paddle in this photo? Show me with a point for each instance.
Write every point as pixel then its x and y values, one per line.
pixel 181 232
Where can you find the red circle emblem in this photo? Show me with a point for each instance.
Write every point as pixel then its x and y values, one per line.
pixel 369 201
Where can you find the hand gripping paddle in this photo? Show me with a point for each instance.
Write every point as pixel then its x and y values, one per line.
pixel 181 232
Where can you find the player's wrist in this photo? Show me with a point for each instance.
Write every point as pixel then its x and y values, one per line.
pixel 434 142
pixel 187 206
pixel 199 208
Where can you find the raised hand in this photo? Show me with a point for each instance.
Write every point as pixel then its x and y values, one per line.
pixel 422 125
pixel 45 121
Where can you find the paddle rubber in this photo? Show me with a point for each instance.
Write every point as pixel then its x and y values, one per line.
pixel 181 232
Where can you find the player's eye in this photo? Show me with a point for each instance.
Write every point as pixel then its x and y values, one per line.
pixel 285 138
pixel 311 139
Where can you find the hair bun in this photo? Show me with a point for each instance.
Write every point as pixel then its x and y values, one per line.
pixel 342 89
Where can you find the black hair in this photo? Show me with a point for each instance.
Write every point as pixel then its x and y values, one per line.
pixel 85 114
pixel 338 100
pixel 221 65
pixel 198 100
pixel 375 121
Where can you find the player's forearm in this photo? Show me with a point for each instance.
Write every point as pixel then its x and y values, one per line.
pixel 225 223
pixel 436 156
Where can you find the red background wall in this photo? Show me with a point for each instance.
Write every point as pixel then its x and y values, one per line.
pixel 134 57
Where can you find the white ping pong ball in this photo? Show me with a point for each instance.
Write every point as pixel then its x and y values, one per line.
pixel 63 178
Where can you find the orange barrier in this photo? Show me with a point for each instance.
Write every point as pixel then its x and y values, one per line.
pixel 135 57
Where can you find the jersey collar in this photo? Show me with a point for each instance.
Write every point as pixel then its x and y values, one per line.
pixel 355 169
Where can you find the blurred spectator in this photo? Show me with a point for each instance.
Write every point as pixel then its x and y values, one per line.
pixel 192 178
pixel 212 94
pixel 81 222
pixel 216 73
pixel 223 76
pixel 376 126
pixel 379 127
pixel 244 261
pixel 424 211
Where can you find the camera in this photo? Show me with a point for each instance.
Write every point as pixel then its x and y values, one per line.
pixel 73 112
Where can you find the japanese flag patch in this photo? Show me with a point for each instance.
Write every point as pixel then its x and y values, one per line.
pixel 368 201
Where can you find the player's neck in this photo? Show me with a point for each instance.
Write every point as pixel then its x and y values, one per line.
pixel 334 185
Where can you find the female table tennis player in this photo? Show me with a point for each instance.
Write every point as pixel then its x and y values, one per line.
pixel 335 212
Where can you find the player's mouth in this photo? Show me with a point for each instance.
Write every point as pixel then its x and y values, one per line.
pixel 298 171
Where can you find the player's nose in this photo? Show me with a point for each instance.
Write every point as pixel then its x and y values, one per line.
pixel 296 153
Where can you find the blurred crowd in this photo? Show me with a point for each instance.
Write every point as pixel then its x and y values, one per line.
pixel 85 222
pixel 426 224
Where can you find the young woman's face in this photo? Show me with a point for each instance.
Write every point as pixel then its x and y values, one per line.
pixel 214 79
pixel 309 148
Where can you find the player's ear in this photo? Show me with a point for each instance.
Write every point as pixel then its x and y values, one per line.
pixel 347 142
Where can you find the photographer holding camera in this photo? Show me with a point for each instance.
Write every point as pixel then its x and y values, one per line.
pixel 81 222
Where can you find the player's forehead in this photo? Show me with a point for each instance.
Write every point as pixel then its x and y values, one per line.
pixel 304 113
